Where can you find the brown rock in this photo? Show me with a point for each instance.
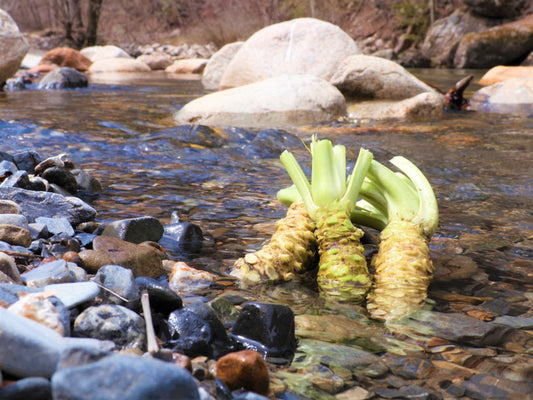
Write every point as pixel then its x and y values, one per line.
pixel 9 207
pixel 156 61
pixel 66 57
pixel 187 66
pixel 501 73
pixel 244 369
pixel 141 259
pixel 15 235
pixel 8 268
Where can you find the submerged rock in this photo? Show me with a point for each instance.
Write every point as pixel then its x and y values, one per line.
pixel 513 96
pixel 275 102
pixel 66 57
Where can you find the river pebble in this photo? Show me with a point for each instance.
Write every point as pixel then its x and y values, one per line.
pixel 162 299
pixel 244 369
pixel 124 376
pixel 73 294
pixel 135 230
pixel 118 286
pixel 112 322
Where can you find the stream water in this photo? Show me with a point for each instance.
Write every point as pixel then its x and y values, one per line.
pixel 121 129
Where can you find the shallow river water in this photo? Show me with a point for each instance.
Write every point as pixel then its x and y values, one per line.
pixel 121 129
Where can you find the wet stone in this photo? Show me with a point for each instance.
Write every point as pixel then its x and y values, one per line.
pixel 482 386
pixel 9 268
pixel 56 225
pixel 515 322
pixel 112 322
pixel 44 204
pixel 63 78
pixel 56 271
pixel 33 388
pixel 9 207
pixel 244 369
pixel 14 219
pixel 190 334
pixel 182 237
pixel 135 230
pixel 456 328
pixel 410 368
pixel 120 281
pixel 408 392
pixel 142 378
pixel 15 235
pixel 27 160
pixel 267 329
pixel 162 299
pixel 225 310
pixel 19 179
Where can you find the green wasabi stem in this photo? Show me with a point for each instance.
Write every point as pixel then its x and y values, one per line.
pixel 403 265
pixel 330 199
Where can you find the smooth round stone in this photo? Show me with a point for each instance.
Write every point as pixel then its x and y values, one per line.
pixel 63 78
pixel 9 207
pixel 112 322
pixel 190 334
pixel 135 230
pixel 73 294
pixel 14 219
pixel 8 267
pixel 112 377
pixel 15 235
pixel 39 308
pixel 244 369
pixel 118 280
pixel 162 298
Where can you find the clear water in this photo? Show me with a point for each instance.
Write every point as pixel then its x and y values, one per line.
pixel 480 164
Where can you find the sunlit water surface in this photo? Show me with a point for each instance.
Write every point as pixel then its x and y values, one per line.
pixel 480 165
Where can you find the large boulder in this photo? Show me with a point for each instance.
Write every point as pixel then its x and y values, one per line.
pixel 368 77
pixel 119 64
pixel 217 64
pixel 187 66
pixel 496 8
pixel 501 73
pixel 66 57
pixel 514 96
pixel 299 46
pixel 501 45
pixel 444 35
pixel 95 53
pixel 13 47
pixel 275 102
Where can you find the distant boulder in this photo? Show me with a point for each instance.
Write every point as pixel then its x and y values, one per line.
pixel 13 47
pixel 217 64
pixel 368 77
pixel 501 73
pixel 513 96
pixel 65 57
pixel 506 44
pixel 187 66
pixel 275 102
pixel 299 46
pixel 444 35
pixel 95 53
pixel 156 61
pixel 63 78
pixel 119 64
pixel 497 8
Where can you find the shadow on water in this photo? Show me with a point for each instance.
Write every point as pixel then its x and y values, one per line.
pixel 225 180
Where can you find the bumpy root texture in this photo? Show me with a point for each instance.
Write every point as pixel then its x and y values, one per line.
pixel 403 272
pixel 343 274
pixel 291 250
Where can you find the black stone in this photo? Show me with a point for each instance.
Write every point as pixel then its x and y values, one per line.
pixel 267 329
pixel 162 299
pixel 135 230
pixel 190 334
pixel 182 237
pixel 61 177
pixel 27 160
pixel 63 78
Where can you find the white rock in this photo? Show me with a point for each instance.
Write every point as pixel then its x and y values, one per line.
pixel 276 102
pixel 514 96
pixel 370 77
pixel 422 106
pixel 72 294
pixel 217 64
pixel 118 65
pixel 187 66
pixel 38 308
pixel 95 53
pixel 299 46
pixel 13 47
pixel 184 279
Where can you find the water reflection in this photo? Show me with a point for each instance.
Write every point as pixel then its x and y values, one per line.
pixel 225 180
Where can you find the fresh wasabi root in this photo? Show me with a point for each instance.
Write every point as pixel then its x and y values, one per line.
pixel 291 250
pixel 343 274
pixel 403 272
